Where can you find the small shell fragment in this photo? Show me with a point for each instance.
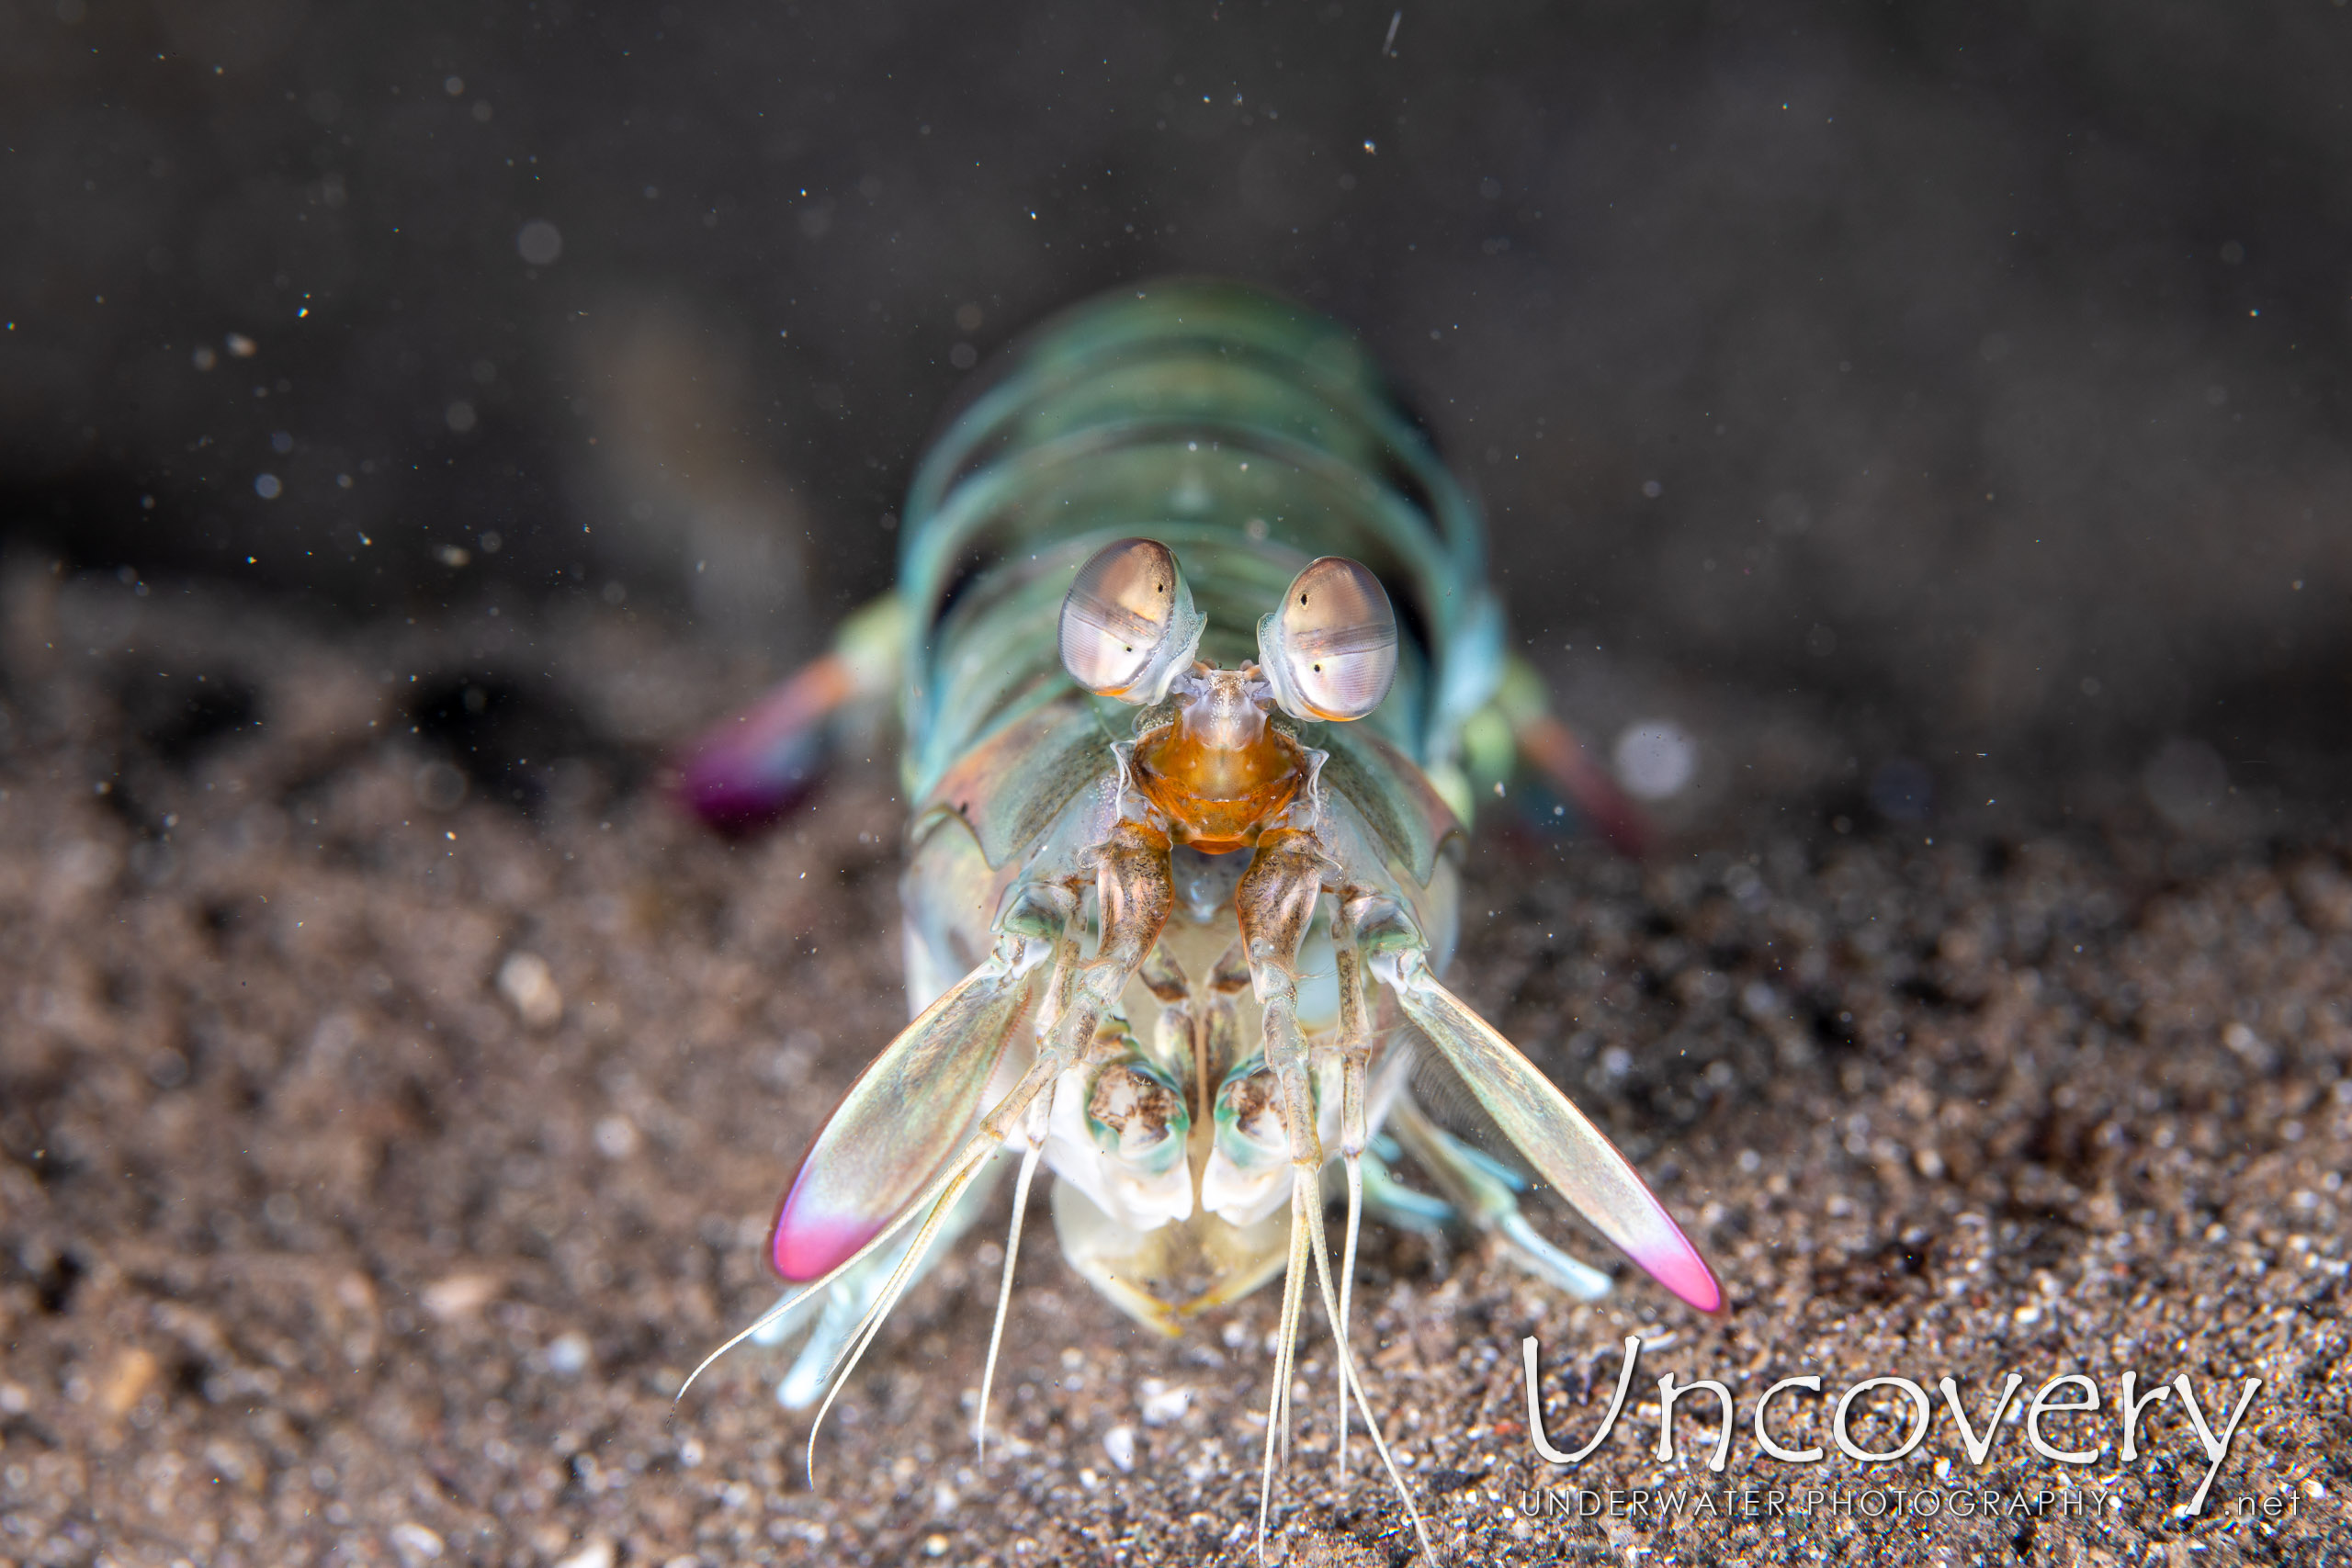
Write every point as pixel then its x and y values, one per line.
pixel 458 1295
pixel 529 986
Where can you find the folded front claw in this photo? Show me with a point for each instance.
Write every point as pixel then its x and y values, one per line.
pixel 1485 1194
pixel 1556 1138
pixel 848 1300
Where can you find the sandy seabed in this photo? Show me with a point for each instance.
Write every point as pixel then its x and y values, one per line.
pixel 394 1091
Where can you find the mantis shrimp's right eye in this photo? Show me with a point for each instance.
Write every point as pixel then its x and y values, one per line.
pixel 1330 652
pixel 1129 625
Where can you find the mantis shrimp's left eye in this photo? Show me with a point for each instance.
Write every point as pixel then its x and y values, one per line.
pixel 1331 651
pixel 1129 625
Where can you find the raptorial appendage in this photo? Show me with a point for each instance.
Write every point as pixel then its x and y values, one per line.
pixel 1540 1122
pixel 1351 1044
pixel 1135 893
pixel 907 1146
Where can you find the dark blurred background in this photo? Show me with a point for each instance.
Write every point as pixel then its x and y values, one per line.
pixel 1863 388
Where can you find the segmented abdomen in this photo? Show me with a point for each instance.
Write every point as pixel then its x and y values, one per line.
pixel 1248 434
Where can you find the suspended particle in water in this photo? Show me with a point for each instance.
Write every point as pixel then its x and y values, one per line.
pixel 1654 758
pixel 540 242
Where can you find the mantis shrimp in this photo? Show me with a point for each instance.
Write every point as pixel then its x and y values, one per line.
pixel 1200 675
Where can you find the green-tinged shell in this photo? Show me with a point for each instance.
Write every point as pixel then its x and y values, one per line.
pixel 1249 435
pixel 1009 788
pixel 1411 823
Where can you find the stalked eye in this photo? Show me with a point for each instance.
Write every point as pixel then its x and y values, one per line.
pixel 1129 625
pixel 1331 651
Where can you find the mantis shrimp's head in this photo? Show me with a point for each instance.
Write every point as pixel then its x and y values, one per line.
pixel 1217 768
